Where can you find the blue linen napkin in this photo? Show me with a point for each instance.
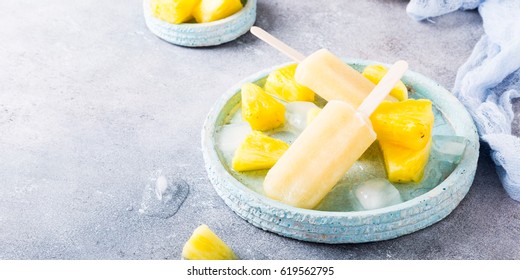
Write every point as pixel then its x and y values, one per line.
pixel 423 9
pixel 489 80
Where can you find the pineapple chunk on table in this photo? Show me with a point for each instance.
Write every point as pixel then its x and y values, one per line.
pixel 258 151
pixel 204 244
pixel 259 109
pixel 281 83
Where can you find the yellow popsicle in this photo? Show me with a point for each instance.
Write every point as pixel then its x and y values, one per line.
pixel 333 79
pixel 320 156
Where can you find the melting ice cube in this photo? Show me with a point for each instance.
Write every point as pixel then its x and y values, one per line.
pixel 377 193
pixel 449 147
pixel 163 195
pixel 230 136
pixel 296 114
pixel 237 117
pixel 161 186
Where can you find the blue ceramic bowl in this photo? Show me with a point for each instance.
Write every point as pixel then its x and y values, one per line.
pixel 203 34
pixel 346 226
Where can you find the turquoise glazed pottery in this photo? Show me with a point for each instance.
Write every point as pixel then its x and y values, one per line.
pixel 203 34
pixel 421 206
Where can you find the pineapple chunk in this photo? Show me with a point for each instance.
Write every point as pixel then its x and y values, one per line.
pixel 261 110
pixel 212 10
pixel 312 114
pixel 258 151
pixel 173 11
pixel 376 72
pixel 403 164
pixel 404 131
pixel 407 124
pixel 282 84
pixel 204 244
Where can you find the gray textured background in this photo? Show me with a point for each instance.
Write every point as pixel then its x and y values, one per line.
pixel 91 103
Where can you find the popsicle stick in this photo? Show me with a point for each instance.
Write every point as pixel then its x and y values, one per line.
pixel 382 89
pixel 277 44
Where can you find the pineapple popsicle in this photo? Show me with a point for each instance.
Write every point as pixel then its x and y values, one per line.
pixel 333 79
pixel 327 148
pixel 324 73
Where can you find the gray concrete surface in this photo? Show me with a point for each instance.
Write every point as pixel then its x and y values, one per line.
pixel 92 103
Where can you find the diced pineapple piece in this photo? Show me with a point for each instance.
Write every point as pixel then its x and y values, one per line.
pixel 261 110
pixel 258 151
pixel 312 114
pixel 403 164
pixel 404 132
pixel 407 124
pixel 212 10
pixel 204 244
pixel 173 11
pixel 376 72
pixel 282 84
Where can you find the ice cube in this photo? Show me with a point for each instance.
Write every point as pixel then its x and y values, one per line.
pixel 161 186
pixel 377 193
pixel 449 147
pixel 286 136
pixel 296 115
pixel 237 117
pixel 230 136
pixel 163 195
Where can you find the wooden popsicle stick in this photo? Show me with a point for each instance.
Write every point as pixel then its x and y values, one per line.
pixel 277 44
pixel 383 88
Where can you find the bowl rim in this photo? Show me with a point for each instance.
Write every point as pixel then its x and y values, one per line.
pixel 210 151
pixel 248 6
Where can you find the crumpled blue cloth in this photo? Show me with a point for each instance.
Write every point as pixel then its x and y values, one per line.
pixel 488 82
pixel 423 9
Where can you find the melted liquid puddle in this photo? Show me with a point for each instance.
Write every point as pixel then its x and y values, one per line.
pixel 163 195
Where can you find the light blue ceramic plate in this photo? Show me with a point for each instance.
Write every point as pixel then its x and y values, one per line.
pixel 203 34
pixel 423 205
